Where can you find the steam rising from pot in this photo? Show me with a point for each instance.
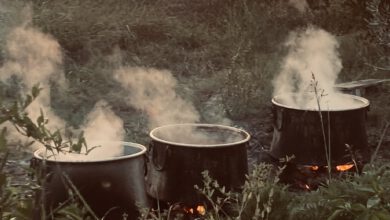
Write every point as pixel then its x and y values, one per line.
pixel 101 125
pixel 35 57
pixel 311 52
pixel 153 92
pixel 301 5
pixel 103 130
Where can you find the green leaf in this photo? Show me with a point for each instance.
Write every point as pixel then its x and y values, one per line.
pixel 373 201
pixel 71 213
pixel 35 91
pixel 374 217
pixel 25 209
pixel 57 138
pixel 27 101
pixel 335 214
pixel 40 120
pixel 77 147
pixel 375 186
pixel 249 209
pixel 383 215
pixel 357 207
pixel 364 189
pixel 364 216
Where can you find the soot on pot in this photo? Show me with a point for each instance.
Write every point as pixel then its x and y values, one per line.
pixel 180 153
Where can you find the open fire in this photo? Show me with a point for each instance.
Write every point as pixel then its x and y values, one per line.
pixel 344 167
pixel 198 210
pixel 340 168
pixel 312 176
pixel 184 211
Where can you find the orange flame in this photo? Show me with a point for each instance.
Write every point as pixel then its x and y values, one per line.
pixel 314 168
pixel 201 209
pixel 188 210
pixel 344 167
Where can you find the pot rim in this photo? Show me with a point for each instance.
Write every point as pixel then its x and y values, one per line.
pixel 365 103
pixel 129 144
pixel 246 134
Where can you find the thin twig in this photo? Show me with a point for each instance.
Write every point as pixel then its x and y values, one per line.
pixel 74 188
pixel 4 160
pixel 108 212
pixel 378 67
pixel 353 157
pixel 327 148
pixel 60 206
pixel 329 138
pixel 380 142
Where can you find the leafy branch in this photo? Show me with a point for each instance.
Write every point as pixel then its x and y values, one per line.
pixel 53 141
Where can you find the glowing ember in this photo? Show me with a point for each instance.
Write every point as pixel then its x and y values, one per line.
pixel 201 209
pixel 189 210
pixel 344 167
pixel 340 168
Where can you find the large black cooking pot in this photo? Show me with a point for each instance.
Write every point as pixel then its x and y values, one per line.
pixel 114 185
pixel 298 132
pixel 179 153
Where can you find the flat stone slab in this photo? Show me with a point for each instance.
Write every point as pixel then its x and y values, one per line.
pixel 359 87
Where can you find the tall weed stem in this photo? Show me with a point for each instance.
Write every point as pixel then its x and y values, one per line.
pixel 326 144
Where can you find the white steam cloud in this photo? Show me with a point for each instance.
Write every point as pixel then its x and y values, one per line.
pixel 153 92
pixel 312 51
pixel 301 5
pixel 103 125
pixel 103 130
pixel 35 57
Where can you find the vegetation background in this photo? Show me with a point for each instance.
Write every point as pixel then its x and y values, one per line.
pixel 224 53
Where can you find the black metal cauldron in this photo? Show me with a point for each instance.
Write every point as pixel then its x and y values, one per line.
pixel 176 161
pixel 110 187
pixel 298 132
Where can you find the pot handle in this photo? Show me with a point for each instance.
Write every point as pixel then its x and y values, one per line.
pixel 40 170
pixel 146 161
pixel 277 118
pixel 34 164
pixel 366 113
pixel 159 156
